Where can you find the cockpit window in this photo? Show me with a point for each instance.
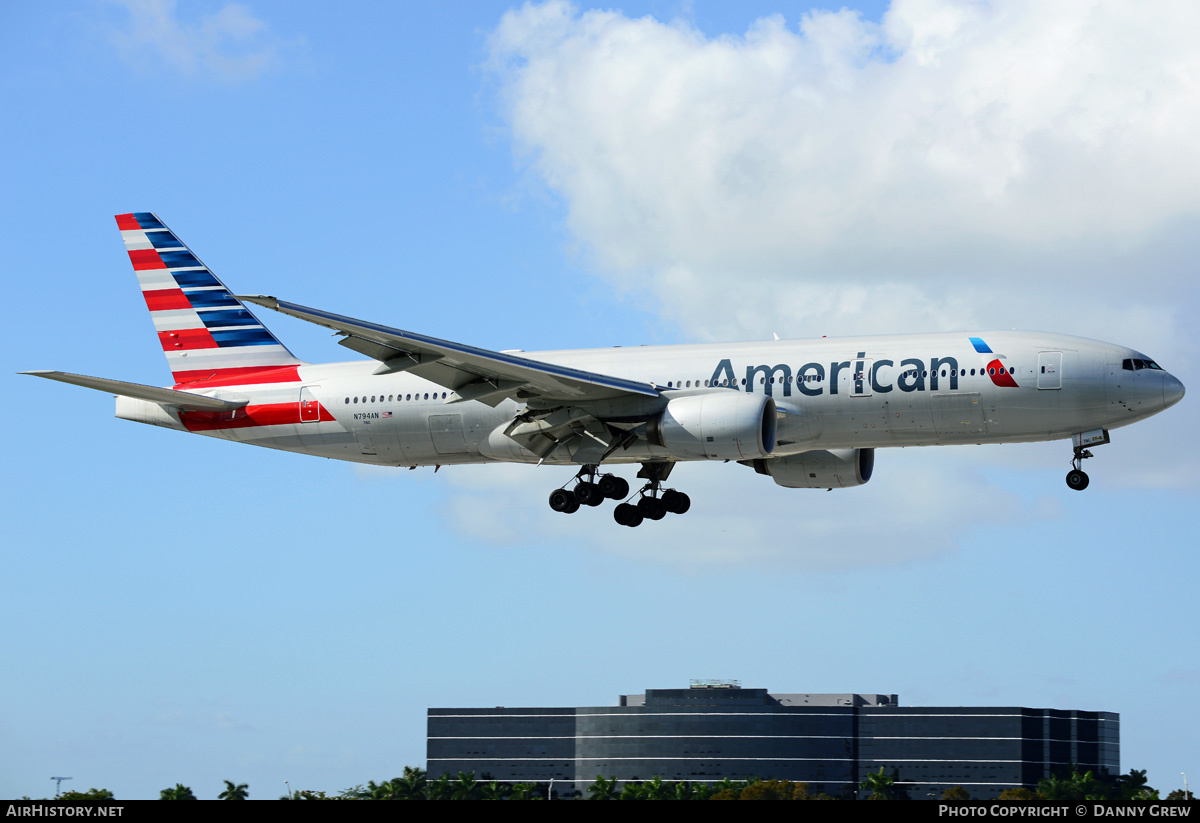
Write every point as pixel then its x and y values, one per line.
pixel 1138 363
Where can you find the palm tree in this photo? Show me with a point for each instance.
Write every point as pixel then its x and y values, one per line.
pixel 655 789
pixel 524 791
pixel 879 785
pixel 439 789
pixel 603 789
pixel 494 790
pixel 180 792
pixel 232 792
pixel 463 787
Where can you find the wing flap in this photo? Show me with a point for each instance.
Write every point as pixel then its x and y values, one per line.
pixel 169 397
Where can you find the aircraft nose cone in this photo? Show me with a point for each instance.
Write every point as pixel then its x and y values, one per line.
pixel 1173 390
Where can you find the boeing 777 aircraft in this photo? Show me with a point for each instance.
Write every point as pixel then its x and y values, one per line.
pixel 806 413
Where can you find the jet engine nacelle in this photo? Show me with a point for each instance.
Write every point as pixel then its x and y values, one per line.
pixel 820 469
pixel 717 425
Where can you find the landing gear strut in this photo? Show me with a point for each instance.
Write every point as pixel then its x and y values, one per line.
pixel 1077 478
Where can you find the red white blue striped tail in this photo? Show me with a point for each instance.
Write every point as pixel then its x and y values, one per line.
pixel 206 333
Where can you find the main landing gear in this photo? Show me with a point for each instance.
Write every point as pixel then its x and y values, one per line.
pixel 655 502
pixel 592 489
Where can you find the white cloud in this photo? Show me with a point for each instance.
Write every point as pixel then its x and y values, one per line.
pixel 230 44
pixel 957 165
pixel 920 504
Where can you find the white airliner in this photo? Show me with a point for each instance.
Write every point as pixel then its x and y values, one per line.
pixel 807 413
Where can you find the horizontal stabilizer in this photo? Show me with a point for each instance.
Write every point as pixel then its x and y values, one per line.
pixel 170 397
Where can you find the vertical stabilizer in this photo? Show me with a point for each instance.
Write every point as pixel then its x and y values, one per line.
pixel 205 332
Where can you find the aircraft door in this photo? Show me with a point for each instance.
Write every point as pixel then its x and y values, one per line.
pixel 1049 370
pixel 310 409
pixel 447 433
pixel 860 377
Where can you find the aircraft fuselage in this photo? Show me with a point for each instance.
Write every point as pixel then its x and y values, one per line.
pixel 869 392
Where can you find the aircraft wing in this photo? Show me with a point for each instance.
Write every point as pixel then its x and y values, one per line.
pixel 472 373
pixel 170 397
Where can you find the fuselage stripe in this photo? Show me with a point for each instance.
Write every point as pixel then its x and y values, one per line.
pixel 268 414
pixel 241 376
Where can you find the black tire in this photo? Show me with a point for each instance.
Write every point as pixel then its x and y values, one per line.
pixel 627 515
pixel 652 508
pixel 589 494
pixel 676 502
pixel 562 500
pixel 613 487
pixel 1077 480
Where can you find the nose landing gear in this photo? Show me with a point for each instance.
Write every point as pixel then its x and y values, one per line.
pixel 1077 478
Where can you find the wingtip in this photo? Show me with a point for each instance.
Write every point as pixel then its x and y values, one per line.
pixel 259 300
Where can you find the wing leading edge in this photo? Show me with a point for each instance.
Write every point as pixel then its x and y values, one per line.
pixel 169 397
pixel 470 372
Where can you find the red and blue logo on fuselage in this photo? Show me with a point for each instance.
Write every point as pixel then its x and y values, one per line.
pixel 996 370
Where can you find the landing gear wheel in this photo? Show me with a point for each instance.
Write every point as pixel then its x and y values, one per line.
pixel 589 494
pixel 563 500
pixel 676 502
pixel 1077 480
pixel 652 508
pixel 613 487
pixel 627 515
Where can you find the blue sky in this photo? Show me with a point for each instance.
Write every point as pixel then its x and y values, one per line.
pixel 187 610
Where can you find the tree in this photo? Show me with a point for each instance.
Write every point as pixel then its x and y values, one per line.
pixel 180 792
pixel 956 794
pixel 1178 796
pixel 494 790
pixel 603 788
pixel 656 789
pixel 411 785
pixel 524 791
pixel 307 794
pixel 232 792
pixel 463 787
pixel 880 785
pixel 634 791
pixel 90 796
pixel 1132 787
pixel 771 790
pixel 727 789
pixel 1073 787
pixel 439 789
